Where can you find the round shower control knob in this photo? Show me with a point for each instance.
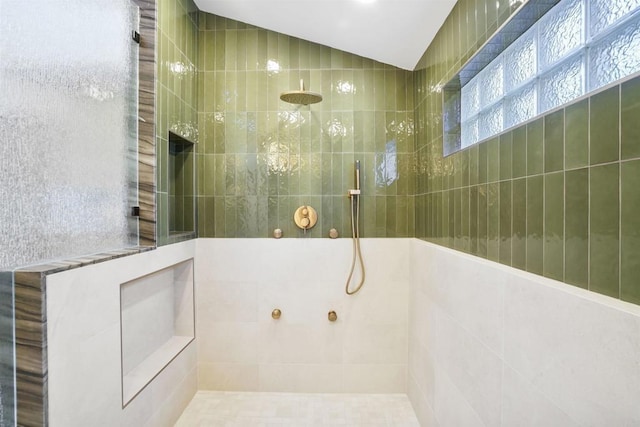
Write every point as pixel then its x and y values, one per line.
pixel 305 217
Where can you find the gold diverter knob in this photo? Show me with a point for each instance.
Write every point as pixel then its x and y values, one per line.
pixel 276 313
pixel 332 316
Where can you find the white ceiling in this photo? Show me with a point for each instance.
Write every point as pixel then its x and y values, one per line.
pixel 395 32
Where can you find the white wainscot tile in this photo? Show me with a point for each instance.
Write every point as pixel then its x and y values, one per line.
pixel 378 302
pixel 227 301
pixel 450 405
pixel 474 369
pixel 375 344
pixel 228 342
pixel 424 411
pixel 301 343
pixel 472 292
pixel 300 302
pixel 581 354
pixel 374 378
pixel 421 370
pixel 228 376
pixel 523 406
pixel 304 378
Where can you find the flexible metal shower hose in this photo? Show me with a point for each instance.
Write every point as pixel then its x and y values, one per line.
pixel 357 253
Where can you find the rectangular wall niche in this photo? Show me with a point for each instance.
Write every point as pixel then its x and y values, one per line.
pixel 157 323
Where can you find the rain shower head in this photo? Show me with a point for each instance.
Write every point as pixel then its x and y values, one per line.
pixel 301 96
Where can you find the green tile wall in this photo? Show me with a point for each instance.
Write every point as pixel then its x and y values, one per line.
pixel 259 158
pixel 557 196
pixel 176 111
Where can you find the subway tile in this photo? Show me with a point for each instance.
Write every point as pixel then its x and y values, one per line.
pixel 535 147
pixel 493 221
pixel 554 141
pixel 576 239
pixel 604 126
pixel 630 231
pixel 506 153
pixel 493 159
pixel 604 230
pixel 519 231
pixel 629 123
pixel 535 224
pixel 519 152
pixel 553 246
pixel 577 135
pixel 505 222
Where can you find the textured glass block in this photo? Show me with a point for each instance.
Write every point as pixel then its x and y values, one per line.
pixel 68 79
pixel 491 121
pixel 561 31
pixel 521 106
pixel 520 63
pixel 562 84
pixel 470 99
pixel 470 132
pixel 615 56
pixel 605 13
pixel 491 83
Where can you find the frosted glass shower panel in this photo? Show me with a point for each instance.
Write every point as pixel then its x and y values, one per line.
pixel 561 31
pixel 616 55
pixel 68 126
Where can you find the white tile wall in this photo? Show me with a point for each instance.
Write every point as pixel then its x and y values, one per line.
pixel 84 350
pixel 494 346
pixel 240 347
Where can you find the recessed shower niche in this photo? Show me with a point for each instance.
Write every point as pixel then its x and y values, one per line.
pixel 156 324
pixel 182 209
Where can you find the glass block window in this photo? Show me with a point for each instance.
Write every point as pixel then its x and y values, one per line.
pixel 578 46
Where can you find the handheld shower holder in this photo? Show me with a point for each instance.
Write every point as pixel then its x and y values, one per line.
pixel 354 192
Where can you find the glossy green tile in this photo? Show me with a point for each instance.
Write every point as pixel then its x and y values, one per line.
pixel 505 222
pixel 473 219
pixel 519 229
pixel 493 221
pixel 457 219
pixel 604 230
pixel 630 231
pixel 576 153
pixel 482 163
pixel 519 152
pixel 554 141
pixel 535 147
pixel 553 247
pixel 473 165
pixel 381 216
pixel 493 159
pixel 482 220
pixel 604 126
pixel 535 223
pixel 506 145
pixel 576 239
pixel 465 200
pixel 629 123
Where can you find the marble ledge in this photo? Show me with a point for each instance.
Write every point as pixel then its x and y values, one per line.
pixel 69 264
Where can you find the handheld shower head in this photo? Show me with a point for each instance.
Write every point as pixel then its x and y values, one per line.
pixel 357 174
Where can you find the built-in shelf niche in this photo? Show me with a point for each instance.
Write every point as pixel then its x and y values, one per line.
pixel 182 184
pixel 157 323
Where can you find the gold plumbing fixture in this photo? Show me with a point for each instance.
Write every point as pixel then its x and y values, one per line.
pixel 332 316
pixel 333 233
pixel 277 233
pixel 276 313
pixel 305 217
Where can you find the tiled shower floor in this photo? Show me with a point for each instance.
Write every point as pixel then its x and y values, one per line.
pixel 219 408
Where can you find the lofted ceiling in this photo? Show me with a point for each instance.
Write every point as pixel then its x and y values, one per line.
pixel 395 32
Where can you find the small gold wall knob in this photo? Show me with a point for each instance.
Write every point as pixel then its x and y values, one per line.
pixel 333 233
pixel 276 313
pixel 277 233
pixel 332 316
